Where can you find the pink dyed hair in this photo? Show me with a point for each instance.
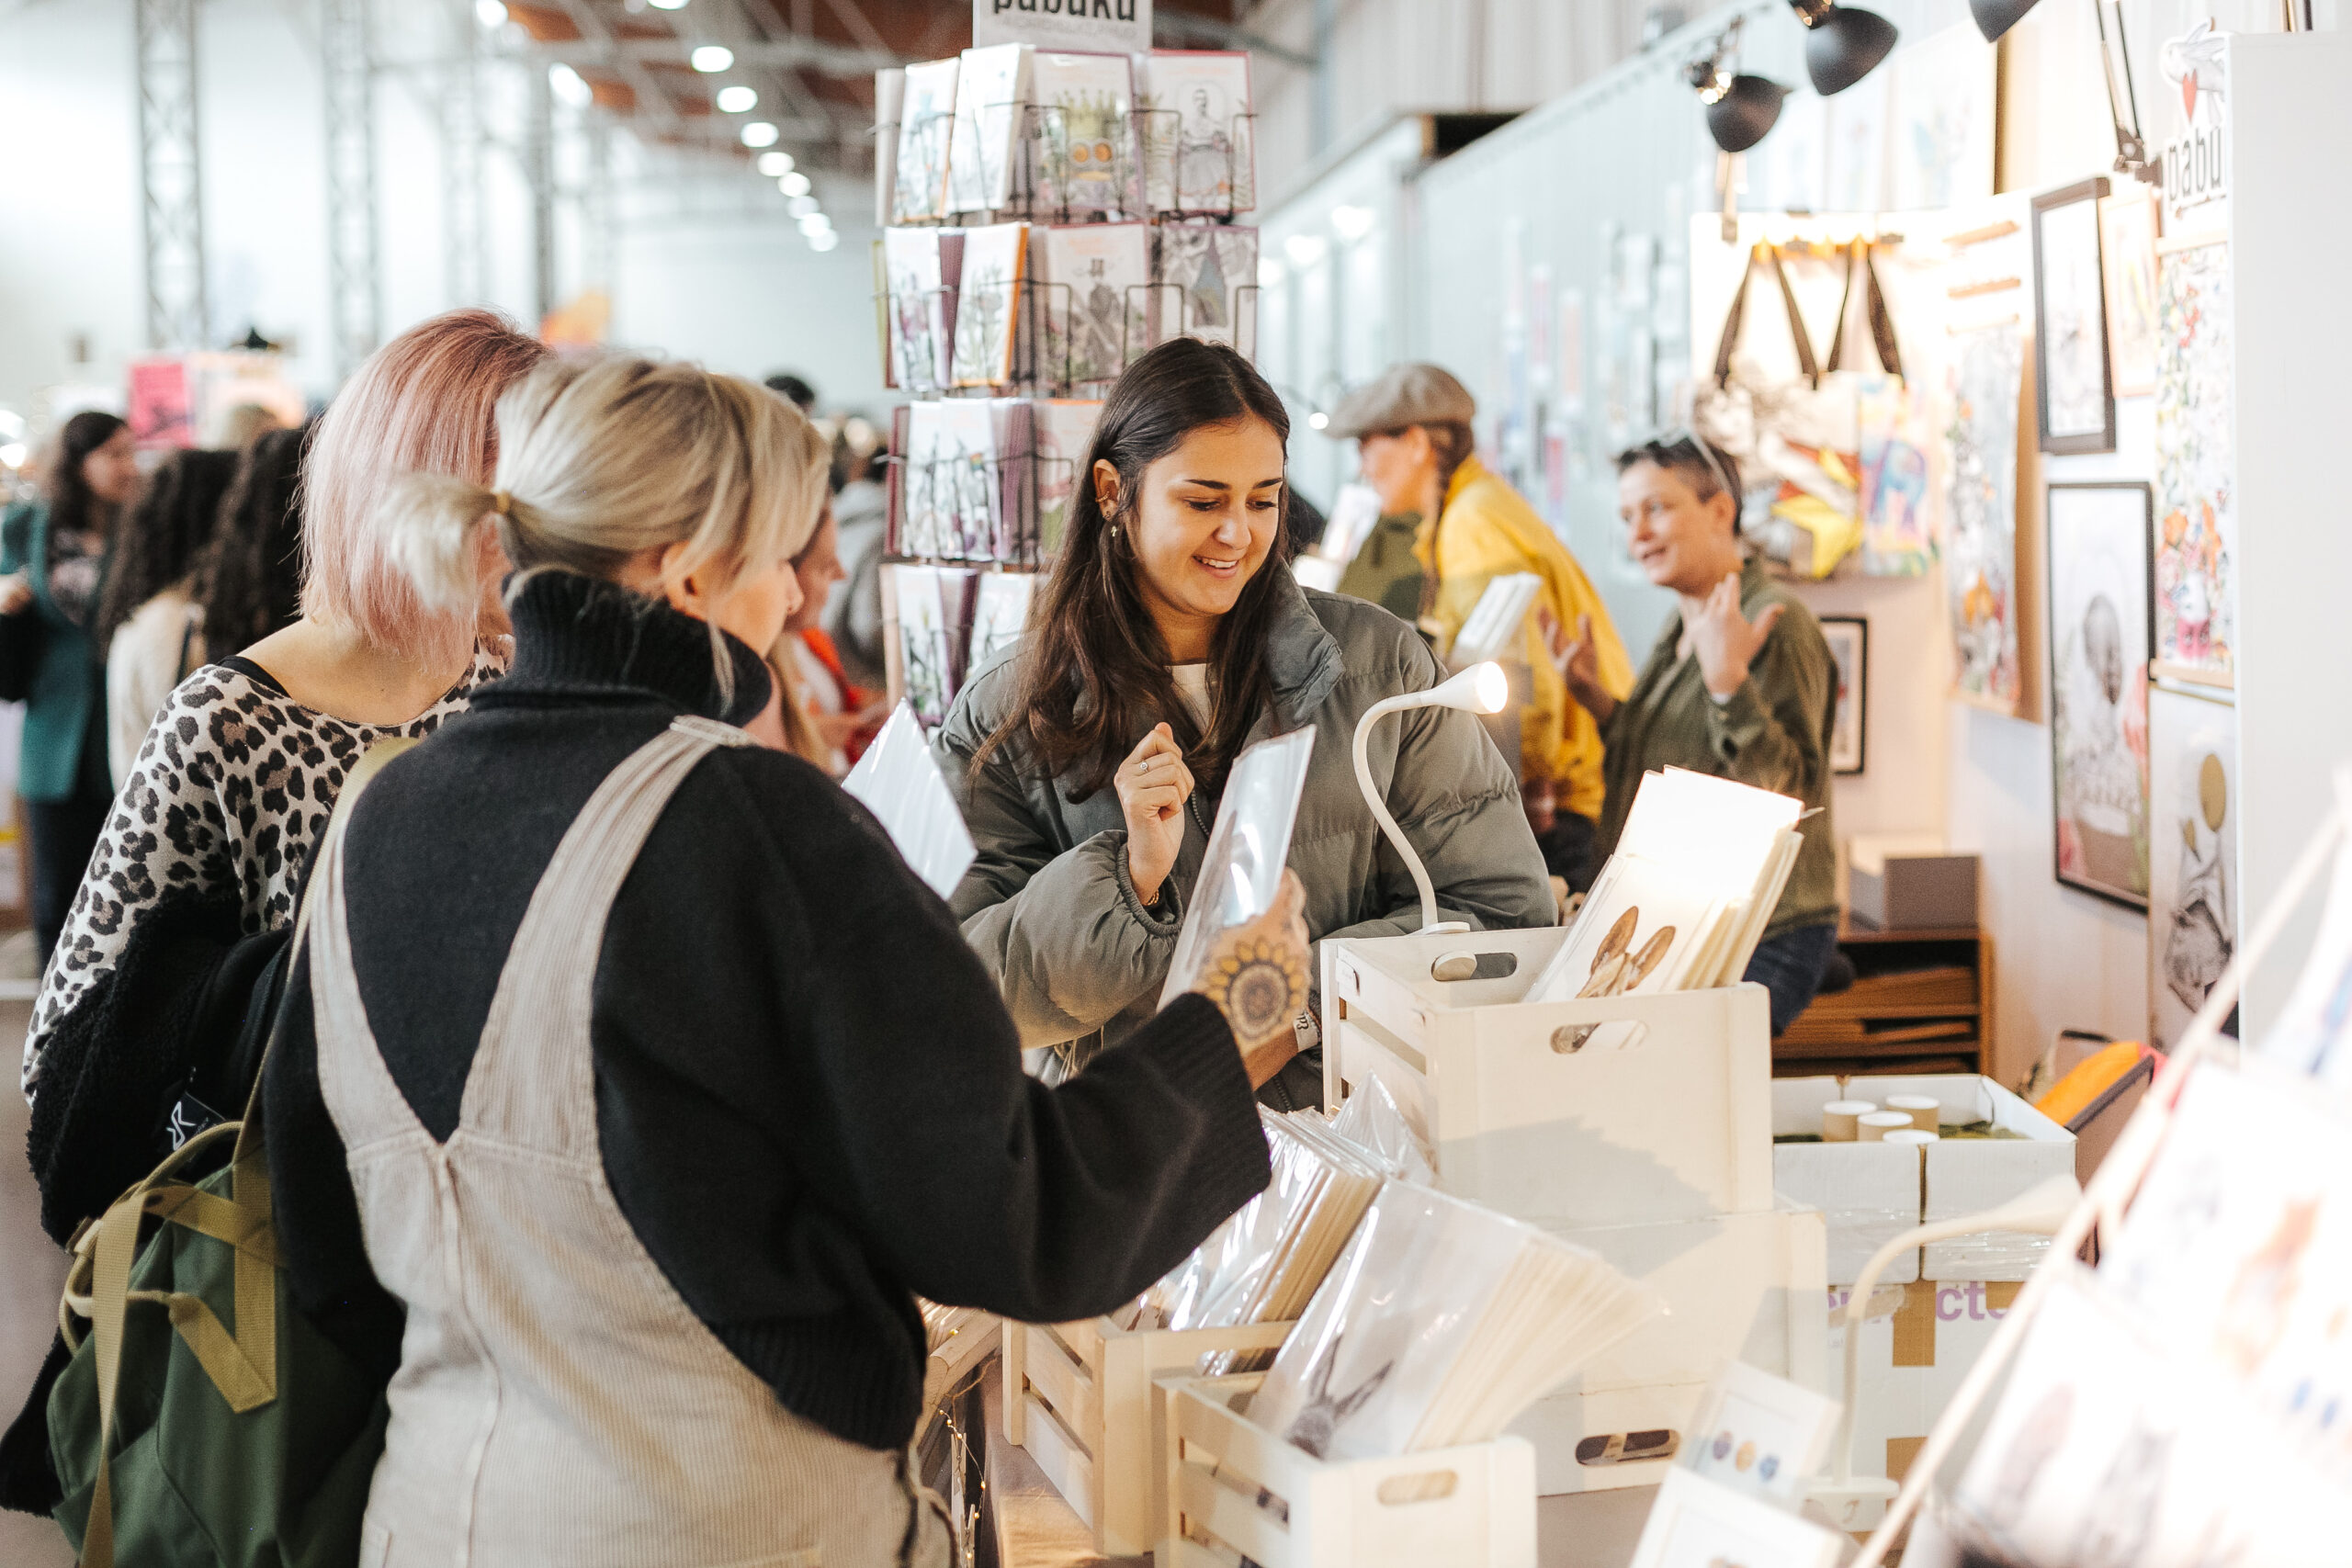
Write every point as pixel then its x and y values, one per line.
pixel 423 403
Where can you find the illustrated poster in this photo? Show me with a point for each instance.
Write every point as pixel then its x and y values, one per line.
pixel 1939 135
pixel 1097 292
pixel 2192 855
pixel 2196 544
pixel 1980 514
pixel 1204 278
pixel 1898 498
pixel 1198 145
pixel 2098 686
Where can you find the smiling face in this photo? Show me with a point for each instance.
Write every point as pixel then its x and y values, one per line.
pixel 1206 517
pixel 1678 540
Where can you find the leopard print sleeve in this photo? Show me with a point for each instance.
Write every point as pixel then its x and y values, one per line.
pixel 231 788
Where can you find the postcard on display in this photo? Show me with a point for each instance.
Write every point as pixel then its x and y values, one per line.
pixel 923 641
pixel 889 108
pixel 989 304
pixel 1760 1433
pixel 999 615
pixel 992 89
pixel 1096 287
pixel 921 267
pixel 2097 593
pixel 926 131
pixel 1082 150
pixel 1635 934
pixel 1193 111
pixel 1205 278
pixel 1013 426
pixel 1065 437
pixel 2192 852
pixel 951 480
pixel 1696 1522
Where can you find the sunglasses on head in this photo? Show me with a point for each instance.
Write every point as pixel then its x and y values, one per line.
pixel 1665 441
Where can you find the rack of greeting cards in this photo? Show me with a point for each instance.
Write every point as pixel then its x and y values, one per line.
pixel 1048 217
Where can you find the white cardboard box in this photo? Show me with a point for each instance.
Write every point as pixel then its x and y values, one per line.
pixel 1870 1192
pixel 1738 1288
pixel 1676 1124
pixel 1912 1360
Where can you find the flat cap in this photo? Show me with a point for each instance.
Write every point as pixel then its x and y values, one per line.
pixel 1399 396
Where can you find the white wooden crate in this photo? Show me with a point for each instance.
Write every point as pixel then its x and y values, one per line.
pixel 1676 1124
pixel 1471 1506
pixel 1080 1398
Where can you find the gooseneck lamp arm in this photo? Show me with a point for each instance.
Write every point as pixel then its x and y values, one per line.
pixel 1482 688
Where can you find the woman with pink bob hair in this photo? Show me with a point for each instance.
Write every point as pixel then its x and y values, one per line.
pixel 194 879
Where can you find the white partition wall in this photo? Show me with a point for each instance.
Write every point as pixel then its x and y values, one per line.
pixel 2290 232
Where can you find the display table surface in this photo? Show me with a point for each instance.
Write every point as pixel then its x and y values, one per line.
pixel 1034 1528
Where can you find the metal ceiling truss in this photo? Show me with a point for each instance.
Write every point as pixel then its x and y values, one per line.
pixel 171 178
pixel 464 236
pixel 355 250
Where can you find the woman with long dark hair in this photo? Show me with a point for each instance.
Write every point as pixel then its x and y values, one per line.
pixel 249 583
pixel 1172 636
pixel 145 617
pixel 52 566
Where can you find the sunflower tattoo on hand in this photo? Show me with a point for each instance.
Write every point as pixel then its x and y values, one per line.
pixel 1261 989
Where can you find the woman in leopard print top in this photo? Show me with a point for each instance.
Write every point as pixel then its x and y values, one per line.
pixel 240 769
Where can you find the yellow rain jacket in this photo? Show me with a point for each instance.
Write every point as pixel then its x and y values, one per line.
pixel 1485 531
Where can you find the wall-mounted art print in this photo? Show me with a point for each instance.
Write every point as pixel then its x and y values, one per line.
pixel 2077 395
pixel 2192 852
pixel 1980 514
pixel 2196 544
pixel 1849 649
pixel 1897 422
pixel 2126 250
pixel 2098 686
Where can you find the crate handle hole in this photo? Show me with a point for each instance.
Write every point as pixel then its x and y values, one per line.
pixel 1629 1448
pixel 1571 1038
pixel 1464 965
pixel 1427 1486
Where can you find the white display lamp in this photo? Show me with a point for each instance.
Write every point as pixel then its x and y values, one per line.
pixel 1482 688
pixel 2040 1209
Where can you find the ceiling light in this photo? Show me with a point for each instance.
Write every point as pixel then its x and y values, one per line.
pixel 814 223
pixel 737 99
pixel 824 241
pixel 1841 45
pixel 711 57
pixel 1353 222
pixel 1304 250
pixel 775 165
pixel 801 205
pixel 490 14
pixel 1318 419
pixel 568 88
pixel 793 182
pixel 1741 109
pixel 1995 17
pixel 759 133
pixel 668 4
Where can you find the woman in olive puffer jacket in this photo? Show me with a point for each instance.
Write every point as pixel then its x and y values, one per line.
pixel 1172 636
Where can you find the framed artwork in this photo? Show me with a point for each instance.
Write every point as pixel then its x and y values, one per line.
pixel 1761 1434
pixel 2072 375
pixel 1850 649
pixel 2127 253
pixel 2197 530
pixel 2100 617
pixel 1986 375
pixel 2192 852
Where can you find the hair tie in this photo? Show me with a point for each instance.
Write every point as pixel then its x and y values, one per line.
pixel 502 503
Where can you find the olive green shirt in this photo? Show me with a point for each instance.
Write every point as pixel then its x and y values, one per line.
pixel 1773 733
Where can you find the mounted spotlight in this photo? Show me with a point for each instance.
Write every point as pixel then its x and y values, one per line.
pixel 1995 17
pixel 1741 109
pixel 1841 45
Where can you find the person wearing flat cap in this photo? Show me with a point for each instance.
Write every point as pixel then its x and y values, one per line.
pixel 1411 427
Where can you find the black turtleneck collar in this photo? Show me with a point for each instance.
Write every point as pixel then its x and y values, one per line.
pixel 583 636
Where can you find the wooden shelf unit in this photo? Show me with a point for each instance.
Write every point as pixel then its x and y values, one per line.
pixel 1921 1002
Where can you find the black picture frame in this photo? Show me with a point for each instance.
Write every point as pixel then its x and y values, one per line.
pixel 1833 628
pixel 2132 657
pixel 2071 443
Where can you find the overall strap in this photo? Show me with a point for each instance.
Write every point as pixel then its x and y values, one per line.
pixel 533 1082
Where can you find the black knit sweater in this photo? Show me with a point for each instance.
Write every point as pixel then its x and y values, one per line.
pixel 808 1096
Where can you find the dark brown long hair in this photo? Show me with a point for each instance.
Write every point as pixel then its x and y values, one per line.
pixel 70 503
pixel 250 579
pixel 166 531
pixel 1093 671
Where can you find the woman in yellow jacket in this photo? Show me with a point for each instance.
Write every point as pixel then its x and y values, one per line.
pixel 1411 427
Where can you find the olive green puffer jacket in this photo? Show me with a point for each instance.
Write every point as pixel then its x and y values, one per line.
pixel 1047 903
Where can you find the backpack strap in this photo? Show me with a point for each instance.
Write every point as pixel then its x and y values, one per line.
pixel 242 1364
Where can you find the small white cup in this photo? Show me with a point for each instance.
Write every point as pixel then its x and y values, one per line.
pixel 1837 1118
pixel 1911 1136
pixel 1924 1111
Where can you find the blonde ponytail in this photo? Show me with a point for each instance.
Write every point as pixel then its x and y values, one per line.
pixel 602 459
pixel 432 527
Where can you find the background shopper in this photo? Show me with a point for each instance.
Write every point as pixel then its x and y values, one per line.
pixel 147 621
pixel 752 1090
pixel 54 553
pixel 1411 427
pixel 1739 685
pixel 1171 636
pixel 249 582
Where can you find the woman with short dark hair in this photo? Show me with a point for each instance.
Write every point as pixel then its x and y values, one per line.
pixel 1171 636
